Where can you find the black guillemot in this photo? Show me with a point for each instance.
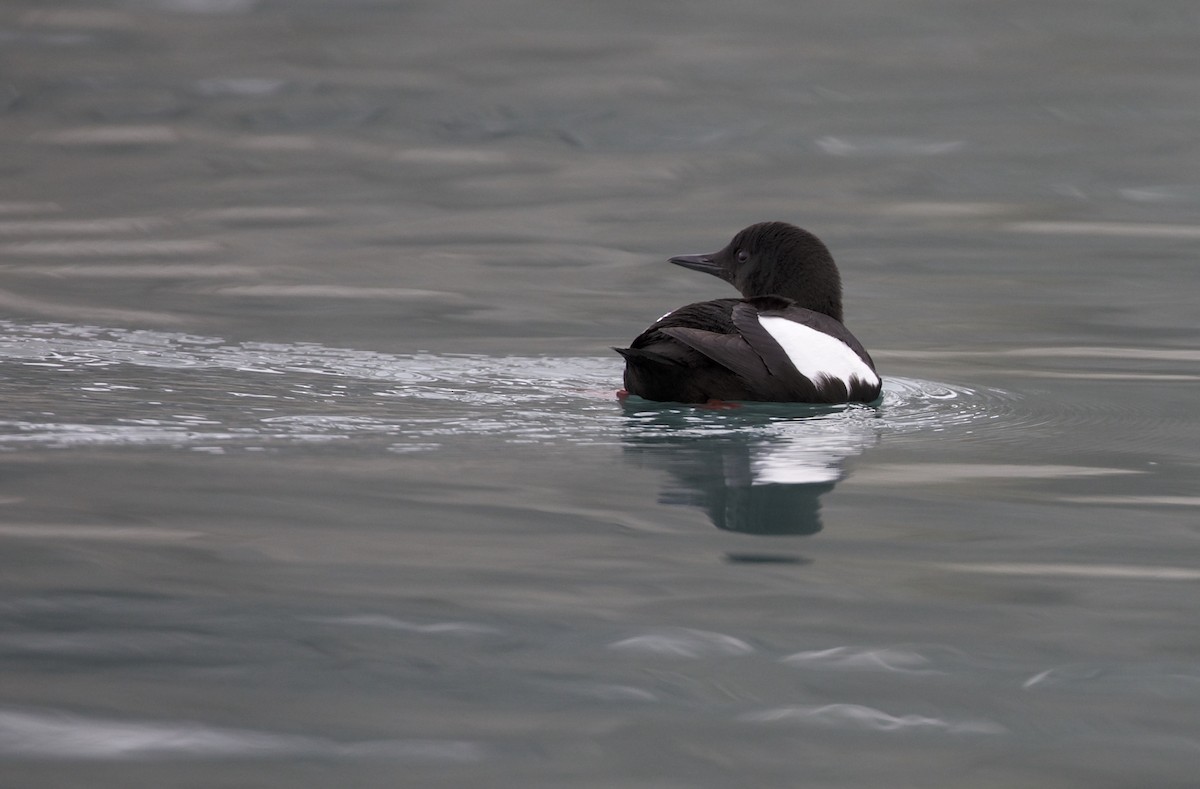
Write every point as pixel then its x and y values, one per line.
pixel 782 342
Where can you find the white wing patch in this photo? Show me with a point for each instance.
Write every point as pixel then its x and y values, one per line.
pixel 815 353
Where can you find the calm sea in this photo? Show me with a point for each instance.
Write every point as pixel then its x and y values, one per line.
pixel 311 472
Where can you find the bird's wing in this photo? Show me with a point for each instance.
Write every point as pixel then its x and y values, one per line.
pixel 728 350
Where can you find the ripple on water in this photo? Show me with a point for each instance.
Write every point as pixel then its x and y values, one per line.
pixel 680 642
pixel 187 390
pixel 50 734
pixel 856 716
pixel 910 405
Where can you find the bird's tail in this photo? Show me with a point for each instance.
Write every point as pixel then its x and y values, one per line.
pixel 640 357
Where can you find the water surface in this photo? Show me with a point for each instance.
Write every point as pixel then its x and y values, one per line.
pixel 311 469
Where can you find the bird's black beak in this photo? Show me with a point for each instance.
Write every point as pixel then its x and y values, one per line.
pixel 706 263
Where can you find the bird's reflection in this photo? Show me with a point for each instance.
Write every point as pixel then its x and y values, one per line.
pixel 757 469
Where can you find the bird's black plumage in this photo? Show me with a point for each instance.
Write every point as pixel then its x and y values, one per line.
pixel 721 349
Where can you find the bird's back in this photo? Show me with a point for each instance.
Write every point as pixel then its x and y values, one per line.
pixel 759 349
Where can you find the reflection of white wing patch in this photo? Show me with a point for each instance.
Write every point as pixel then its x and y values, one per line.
pixel 815 353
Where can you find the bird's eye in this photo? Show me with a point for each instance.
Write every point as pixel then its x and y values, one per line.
pixel 742 256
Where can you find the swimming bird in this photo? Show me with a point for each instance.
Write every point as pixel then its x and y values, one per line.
pixel 783 341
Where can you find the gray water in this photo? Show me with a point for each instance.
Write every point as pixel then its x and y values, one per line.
pixel 311 469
